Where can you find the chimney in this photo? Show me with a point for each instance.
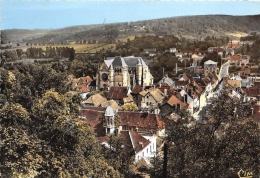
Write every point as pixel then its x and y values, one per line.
pixel 185 98
pixel 178 95
pixel 252 110
pixel 194 88
pixel 190 93
pixel 165 92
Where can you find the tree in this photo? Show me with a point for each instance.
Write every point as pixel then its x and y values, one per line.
pixel 119 155
pixel 130 107
pixel 217 147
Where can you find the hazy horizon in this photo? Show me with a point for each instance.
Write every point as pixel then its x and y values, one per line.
pixel 61 14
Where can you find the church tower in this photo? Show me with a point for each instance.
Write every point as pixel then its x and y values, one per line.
pixel 110 120
pixel 111 75
pixel 139 72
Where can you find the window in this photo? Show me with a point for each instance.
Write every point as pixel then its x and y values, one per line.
pixel 147 150
pixel 143 154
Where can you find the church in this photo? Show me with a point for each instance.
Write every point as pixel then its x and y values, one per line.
pixel 123 71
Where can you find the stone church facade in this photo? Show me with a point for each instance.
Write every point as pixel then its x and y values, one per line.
pixel 123 71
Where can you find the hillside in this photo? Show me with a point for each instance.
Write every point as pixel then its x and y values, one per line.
pixel 184 26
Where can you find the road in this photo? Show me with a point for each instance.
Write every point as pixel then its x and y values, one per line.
pixel 224 70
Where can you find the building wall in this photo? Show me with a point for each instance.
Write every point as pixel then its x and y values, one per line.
pixel 148 101
pixel 147 152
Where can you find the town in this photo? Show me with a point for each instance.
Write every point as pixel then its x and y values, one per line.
pixel 160 98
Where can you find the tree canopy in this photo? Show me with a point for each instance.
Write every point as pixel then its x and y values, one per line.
pixel 217 147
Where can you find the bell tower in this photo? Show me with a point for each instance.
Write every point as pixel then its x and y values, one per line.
pixel 110 120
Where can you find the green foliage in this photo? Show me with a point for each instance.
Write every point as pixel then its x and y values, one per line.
pixel 119 156
pixel 50 142
pixel 217 147
pixel 130 107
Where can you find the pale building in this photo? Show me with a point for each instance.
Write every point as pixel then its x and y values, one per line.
pixel 210 67
pixel 123 71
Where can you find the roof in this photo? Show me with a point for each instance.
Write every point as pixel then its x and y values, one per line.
pixel 111 103
pixel 156 94
pixel 95 100
pixel 83 88
pixel 133 140
pixel 181 83
pixel 93 118
pixel 117 93
pixel 142 120
pixel 86 79
pixel 109 111
pixel 137 89
pixel 252 91
pixel 210 62
pixel 130 61
pixel 234 83
pixel 173 100
pixel 128 99
pixel 236 57
pixel 167 81
pixel 170 91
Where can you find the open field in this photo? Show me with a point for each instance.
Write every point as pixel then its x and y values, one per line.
pixel 80 48
pixel 236 34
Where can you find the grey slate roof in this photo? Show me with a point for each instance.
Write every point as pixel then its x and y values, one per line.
pixel 124 61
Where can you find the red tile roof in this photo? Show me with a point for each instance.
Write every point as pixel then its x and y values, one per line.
pixel 137 89
pixel 83 88
pixel 117 93
pixel 181 83
pixel 94 108
pixel 142 120
pixel 173 100
pixel 93 118
pixel 170 90
pixel 134 140
pixel 236 57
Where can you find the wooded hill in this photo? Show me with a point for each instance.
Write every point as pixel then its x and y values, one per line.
pixel 183 26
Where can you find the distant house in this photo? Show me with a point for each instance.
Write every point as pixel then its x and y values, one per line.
pixel 230 52
pixel 210 66
pixel 147 51
pixel 151 97
pixel 173 104
pixel 173 50
pixel 166 81
pixel 179 55
pixel 196 59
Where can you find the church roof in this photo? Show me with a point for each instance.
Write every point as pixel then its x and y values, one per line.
pixel 130 61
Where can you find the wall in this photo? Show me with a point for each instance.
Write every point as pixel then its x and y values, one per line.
pixel 147 152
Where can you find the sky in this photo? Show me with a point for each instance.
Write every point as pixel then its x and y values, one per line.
pixel 53 14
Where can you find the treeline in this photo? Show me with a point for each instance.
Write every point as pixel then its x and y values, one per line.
pixel 38 53
pixel 164 43
pixel 51 52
